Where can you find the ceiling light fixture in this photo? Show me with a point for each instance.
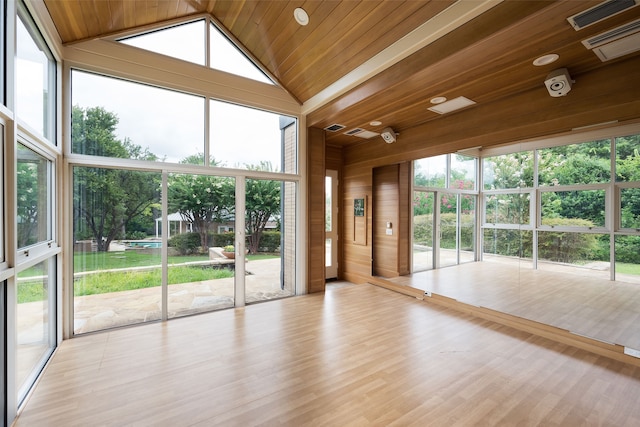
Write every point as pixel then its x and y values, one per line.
pixel 545 60
pixel 301 16
pixel 438 100
pixel 452 105
pixel 375 123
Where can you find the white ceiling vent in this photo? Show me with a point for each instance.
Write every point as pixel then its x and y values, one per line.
pixel 361 133
pixel 599 12
pixel 334 127
pixel 618 48
pixel 611 35
pixel 617 42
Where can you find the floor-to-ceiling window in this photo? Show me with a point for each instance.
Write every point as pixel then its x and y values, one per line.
pixel 182 203
pixel 444 211
pixel 31 249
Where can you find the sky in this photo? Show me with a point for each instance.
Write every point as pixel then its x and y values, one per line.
pixel 169 123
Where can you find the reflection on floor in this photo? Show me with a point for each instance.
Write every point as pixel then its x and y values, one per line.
pixel 582 301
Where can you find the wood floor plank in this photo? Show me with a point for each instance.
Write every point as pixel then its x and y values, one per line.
pixel 355 355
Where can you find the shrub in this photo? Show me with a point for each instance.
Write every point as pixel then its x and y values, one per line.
pixel 136 235
pixel 567 246
pixel 270 241
pixel 185 243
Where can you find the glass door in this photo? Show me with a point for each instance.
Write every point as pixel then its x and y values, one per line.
pixel 331 225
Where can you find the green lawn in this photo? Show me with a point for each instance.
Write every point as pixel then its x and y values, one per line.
pixel 115 281
pixel 624 268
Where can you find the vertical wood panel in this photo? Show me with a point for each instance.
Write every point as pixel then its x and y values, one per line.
pixel 356 258
pixel 385 209
pixel 405 212
pixel 315 192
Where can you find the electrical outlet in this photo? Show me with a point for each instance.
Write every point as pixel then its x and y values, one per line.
pixel 427 294
pixel 632 352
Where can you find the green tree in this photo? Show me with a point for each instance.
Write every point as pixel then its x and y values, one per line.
pixel 262 204
pixel 106 201
pixel 31 176
pixel 202 200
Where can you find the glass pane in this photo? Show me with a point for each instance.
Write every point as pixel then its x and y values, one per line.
pixel 467 227
pixel 270 228
pixel 579 253
pixel 463 172
pixel 327 252
pixel 448 230
pixel 33 199
pixel 2 217
pixel 628 158
pixel 116 261
pixel 423 203
pixel 503 245
pixel 630 208
pixel 201 259
pixel 247 138
pixel 119 118
pixel 35 88
pixel 628 259
pixel 224 56
pixel 508 171
pixel 185 41
pixel 35 314
pixel 511 208
pixel 328 207
pixel 430 172
pixel 573 208
pixel 586 163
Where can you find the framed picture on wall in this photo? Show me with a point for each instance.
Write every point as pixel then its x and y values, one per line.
pixel 358 207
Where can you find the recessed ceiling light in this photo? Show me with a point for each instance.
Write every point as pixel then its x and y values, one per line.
pixel 546 59
pixel 375 123
pixel 301 16
pixel 438 100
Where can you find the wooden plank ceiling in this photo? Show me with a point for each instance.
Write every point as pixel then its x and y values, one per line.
pixel 487 59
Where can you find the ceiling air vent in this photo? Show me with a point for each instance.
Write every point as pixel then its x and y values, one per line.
pixel 334 127
pixel 600 12
pixel 611 35
pixel 353 131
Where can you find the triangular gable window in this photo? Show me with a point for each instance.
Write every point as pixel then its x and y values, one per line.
pixel 225 56
pixel 187 42
pixel 184 41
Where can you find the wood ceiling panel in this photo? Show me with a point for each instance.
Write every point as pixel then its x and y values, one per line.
pixel 488 59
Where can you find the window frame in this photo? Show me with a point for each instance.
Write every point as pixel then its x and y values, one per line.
pixel 49 133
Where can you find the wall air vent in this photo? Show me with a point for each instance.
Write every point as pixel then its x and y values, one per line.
pixel 334 127
pixel 611 35
pixel 600 12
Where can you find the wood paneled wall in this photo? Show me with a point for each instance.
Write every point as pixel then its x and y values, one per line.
pixel 390 207
pixel 315 206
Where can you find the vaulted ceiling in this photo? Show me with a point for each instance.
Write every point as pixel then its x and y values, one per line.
pixel 363 61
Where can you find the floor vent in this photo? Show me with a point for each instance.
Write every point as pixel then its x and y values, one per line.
pixel 600 12
pixel 334 127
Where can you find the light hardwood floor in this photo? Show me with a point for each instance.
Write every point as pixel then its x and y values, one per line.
pixel 579 300
pixel 355 355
